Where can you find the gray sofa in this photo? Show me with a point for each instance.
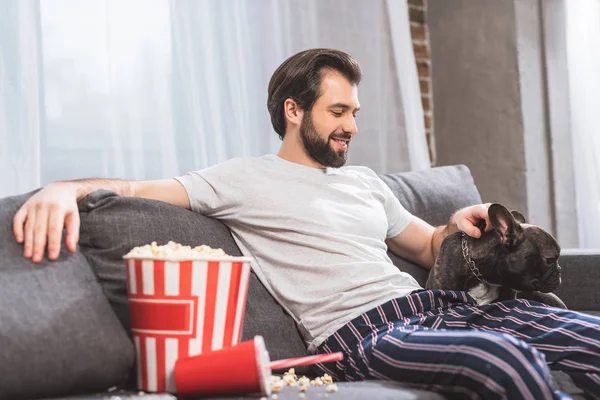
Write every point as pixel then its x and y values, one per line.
pixel 64 324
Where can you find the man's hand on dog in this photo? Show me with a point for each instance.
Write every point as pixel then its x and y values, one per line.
pixel 465 220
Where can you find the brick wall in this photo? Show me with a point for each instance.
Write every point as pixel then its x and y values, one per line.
pixel 420 38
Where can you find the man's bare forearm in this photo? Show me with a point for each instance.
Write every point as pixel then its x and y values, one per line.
pixel 441 232
pixel 437 238
pixel 86 186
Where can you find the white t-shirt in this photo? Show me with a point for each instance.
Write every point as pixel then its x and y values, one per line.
pixel 317 235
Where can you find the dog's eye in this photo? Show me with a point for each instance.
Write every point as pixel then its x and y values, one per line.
pixel 550 261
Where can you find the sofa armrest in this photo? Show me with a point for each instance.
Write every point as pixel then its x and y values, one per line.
pixel 580 287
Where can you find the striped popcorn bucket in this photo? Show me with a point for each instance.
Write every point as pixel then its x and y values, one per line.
pixel 181 308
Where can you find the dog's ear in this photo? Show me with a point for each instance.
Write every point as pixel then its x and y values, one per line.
pixel 481 224
pixel 504 224
pixel 518 216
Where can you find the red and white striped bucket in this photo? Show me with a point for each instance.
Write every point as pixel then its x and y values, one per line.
pixel 182 308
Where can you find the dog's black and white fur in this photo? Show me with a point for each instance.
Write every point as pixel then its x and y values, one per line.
pixel 513 259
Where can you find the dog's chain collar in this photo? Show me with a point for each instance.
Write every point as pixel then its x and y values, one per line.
pixel 471 263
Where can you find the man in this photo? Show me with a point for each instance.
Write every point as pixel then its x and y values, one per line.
pixel 319 233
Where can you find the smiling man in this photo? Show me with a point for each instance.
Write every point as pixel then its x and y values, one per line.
pixel 319 232
pixel 328 105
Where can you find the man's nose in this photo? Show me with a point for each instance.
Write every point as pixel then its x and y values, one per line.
pixel 350 125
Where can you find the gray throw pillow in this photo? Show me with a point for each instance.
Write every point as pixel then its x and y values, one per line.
pixel 58 334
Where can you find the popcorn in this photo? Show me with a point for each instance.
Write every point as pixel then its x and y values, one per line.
pixel 304 381
pixel 291 372
pixel 290 379
pixel 317 382
pixel 173 249
pixel 277 386
pixel 331 388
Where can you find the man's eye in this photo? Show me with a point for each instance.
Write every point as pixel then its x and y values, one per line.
pixel 337 114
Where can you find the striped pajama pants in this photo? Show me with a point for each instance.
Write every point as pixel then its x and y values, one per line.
pixel 442 341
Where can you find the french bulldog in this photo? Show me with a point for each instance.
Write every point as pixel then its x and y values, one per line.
pixel 514 259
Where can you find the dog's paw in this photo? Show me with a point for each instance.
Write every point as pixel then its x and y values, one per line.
pixel 547 298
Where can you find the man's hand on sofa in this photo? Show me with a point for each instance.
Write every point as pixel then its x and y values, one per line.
pixel 40 221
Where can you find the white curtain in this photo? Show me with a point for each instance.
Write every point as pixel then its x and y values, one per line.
pixel 583 60
pixel 149 89
pixel 20 97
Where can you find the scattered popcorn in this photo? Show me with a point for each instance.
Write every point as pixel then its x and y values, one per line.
pixel 263 398
pixel 289 380
pixel 327 379
pixel 301 395
pixel 274 397
pixel 291 372
pixel 173 249
pixel 290 377
pixel 140 393
pixel 317 382
pixel 331 388
pixel 277 386
pixel 304 381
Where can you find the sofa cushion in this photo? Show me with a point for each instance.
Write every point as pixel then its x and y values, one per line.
pixel 362 390
pixel 58 334
pixel 433 195
pixel 580 276
pixel 379 390
pixel 111 226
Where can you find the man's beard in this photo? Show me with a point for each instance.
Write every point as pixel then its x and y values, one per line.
pixel 320 150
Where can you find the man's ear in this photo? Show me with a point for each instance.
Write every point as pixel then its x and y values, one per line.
pixel 293 112
pixel 518 216
pixel 504 224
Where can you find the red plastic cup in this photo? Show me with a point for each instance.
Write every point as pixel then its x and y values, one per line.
pixel 181 308
pixel 242 369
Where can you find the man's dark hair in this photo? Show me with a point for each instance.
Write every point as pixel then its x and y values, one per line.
pixel 299 78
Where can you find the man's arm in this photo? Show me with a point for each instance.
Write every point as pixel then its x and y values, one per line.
pixel 168 190
pixel 40 221
pixel 420 242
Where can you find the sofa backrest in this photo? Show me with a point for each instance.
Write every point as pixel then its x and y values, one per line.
pixel 433 195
